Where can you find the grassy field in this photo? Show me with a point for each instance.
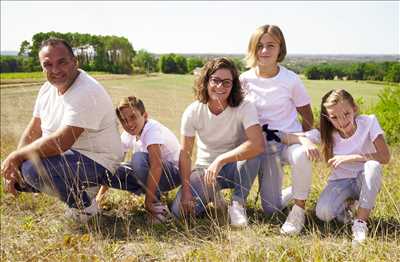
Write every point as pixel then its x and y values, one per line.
pixel 33 227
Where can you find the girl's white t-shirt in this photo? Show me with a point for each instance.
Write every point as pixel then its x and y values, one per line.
pixel 276 98
pixel 154 133
pixel 361 142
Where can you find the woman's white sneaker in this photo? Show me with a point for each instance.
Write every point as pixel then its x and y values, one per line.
pixel 360 231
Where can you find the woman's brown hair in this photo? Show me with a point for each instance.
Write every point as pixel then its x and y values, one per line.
pixel 235 97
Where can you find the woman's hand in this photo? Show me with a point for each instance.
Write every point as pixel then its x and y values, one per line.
pixel 211 173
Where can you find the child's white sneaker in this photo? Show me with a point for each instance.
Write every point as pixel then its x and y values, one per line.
pixel 360 232
pixel 82 215
pixel 237 214
pixel 294 222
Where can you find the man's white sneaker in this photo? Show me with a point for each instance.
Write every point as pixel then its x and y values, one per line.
pixel 360 231
pixel 237 215
pixel 82 215
pixel 294 222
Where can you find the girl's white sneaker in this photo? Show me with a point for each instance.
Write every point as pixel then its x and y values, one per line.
pixel 360 231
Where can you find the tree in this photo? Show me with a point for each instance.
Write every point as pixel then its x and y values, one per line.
pixel 193 63
pixel 181 64
pixel 144 62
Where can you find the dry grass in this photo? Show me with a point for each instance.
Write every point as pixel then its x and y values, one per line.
pixel 33 227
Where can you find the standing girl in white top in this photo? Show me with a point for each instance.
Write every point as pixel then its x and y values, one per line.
pixel 279 96
pixel 228 138
pixel 354 146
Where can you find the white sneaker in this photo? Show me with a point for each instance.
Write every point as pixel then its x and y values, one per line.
pixel 360 231
pixel 294 222
pixel 82 216
pixel 237 215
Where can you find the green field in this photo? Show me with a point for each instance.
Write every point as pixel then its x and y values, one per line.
pixel 33 227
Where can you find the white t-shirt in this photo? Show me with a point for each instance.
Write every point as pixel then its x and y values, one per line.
pixel 361 142
pixel 85 104
pixel 217 134
pixel 276 98
pixel 154 133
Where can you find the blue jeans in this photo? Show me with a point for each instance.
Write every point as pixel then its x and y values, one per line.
pixel 133 177
pixel 364 188
pixel 65 176
pixel 238 175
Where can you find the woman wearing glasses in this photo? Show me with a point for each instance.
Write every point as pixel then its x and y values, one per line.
pixel 229 138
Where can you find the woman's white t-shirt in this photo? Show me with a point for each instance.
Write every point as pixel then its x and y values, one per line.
pixel 217 134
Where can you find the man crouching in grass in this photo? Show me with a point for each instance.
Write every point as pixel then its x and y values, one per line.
pixel 72 140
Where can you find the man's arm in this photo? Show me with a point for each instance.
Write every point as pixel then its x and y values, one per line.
pixel 307 118
pixel 32 132
pixel 54 144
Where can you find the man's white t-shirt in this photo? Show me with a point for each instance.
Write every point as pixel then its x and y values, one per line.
pixel 85 104
pixel 276 98
pixel 217 134
pixel 154 133
pixel 361 142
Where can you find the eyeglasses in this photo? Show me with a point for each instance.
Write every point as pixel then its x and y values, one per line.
pixel 215 81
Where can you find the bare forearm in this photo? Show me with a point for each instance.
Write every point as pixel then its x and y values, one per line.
pixel 185 166
pixel 152 182
pixel 372 156
pixel 245 151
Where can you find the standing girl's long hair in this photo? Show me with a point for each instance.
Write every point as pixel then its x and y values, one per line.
pixel 331 98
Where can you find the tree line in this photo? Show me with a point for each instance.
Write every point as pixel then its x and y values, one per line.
pixel 116 55
pixel 382 71
pixel 94 52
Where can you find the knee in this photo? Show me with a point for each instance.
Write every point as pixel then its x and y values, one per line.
pixel 324 212
pixel 373 167
pixel 29 173
pixel 140 159
pixel 300 157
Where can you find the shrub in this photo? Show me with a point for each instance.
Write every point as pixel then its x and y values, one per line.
pixel 387 111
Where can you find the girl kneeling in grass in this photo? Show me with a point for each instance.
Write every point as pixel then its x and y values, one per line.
pixel 354 147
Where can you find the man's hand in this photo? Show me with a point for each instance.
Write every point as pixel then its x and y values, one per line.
pixel 9 187
pixel 10 166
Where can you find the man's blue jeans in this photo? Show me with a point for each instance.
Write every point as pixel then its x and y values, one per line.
pixel 65 176
pixel 133 177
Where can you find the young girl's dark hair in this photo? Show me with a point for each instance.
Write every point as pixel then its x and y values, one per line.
pixel 235 97
pixel 331 98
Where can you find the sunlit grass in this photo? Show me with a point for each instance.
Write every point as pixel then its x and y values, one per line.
pixel 33 226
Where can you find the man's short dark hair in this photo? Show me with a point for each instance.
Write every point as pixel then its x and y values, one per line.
pixel 53 41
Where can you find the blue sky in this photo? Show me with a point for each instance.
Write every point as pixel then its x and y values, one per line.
pixel 310 27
